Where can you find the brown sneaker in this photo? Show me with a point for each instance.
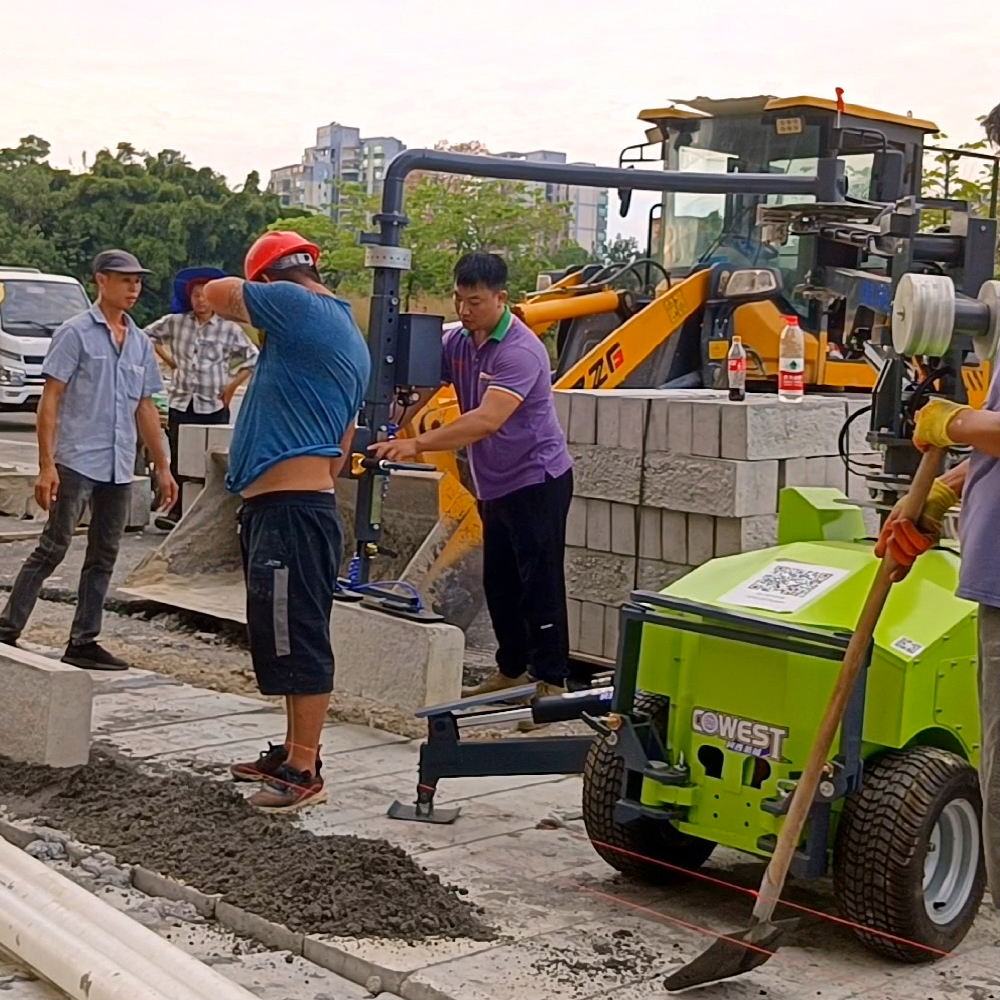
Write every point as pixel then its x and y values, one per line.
pixel 545 690
pixel 264 767
pixel 495 681
pixel 288 791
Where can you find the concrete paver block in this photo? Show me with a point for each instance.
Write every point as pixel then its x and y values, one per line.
pixel 836 473
pixel 763 427
pixel 611 615
pixel 745 534
pixel 219 438
pixel 673 536
pixel 680 428
pixel 623 529
pixel 792 472
pixel 607 420
pixel 393 660
pixel 45 711
pixel 701 538
pixel 657 436
pixel 583 417
pixel 650 532
pixel 573 608
pixel 716 486
pixel 816 470
pixel 591 628
pixel 632 412
pixel 576 522
pixel 706 429
pixel 192 442
pixel 600 577
pixel 655 574
pixel 858 434
pixel 562 401
pixel 599 525
pixel 607 473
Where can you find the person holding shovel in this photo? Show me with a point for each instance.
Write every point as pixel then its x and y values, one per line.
pixel 976 482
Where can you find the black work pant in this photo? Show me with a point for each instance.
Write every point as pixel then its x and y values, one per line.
pixel 109 507
pixel 174 420
pixel 524 543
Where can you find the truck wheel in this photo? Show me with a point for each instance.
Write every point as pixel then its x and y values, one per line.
pixel 909 856
pixel 633 848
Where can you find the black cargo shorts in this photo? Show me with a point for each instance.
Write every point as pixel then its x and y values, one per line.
pixel 291 543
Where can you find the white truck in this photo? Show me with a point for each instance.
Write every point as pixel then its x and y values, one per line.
pixel 33 306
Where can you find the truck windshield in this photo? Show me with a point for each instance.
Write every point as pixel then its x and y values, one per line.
pixel 37 308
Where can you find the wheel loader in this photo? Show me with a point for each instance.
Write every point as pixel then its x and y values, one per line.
pixel 769 207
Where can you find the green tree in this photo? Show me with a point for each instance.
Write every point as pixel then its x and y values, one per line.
pixel 621 250
pixel 464 214
pixel 160 207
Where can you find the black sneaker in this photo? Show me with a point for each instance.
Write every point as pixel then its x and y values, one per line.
pixel 8 638
pixel 93 656
pixel 164 522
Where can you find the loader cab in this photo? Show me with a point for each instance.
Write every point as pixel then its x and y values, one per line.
pixel 882 155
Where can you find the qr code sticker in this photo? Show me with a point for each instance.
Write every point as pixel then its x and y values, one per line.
pixel 907 647
pixel 791 581
pixel 785 586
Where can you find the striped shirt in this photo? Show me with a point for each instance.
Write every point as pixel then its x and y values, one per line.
pixel 203 354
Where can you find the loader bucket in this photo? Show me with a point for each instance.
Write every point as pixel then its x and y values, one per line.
pixel 430 538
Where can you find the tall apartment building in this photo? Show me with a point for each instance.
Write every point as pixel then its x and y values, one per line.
pixel 588 206
pixel 341 155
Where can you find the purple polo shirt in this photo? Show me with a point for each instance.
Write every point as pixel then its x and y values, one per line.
pixel 531 445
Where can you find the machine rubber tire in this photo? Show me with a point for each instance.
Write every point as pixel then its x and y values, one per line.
pixel 883 841
pixel 624 846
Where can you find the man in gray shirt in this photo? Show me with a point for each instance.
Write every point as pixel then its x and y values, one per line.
pixel 100 374
pixel 944 424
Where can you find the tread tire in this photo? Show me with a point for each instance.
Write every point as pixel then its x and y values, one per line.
pixel 881 844
pixel 602 787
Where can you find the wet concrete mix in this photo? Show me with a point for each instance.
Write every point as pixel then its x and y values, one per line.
pixel 204 834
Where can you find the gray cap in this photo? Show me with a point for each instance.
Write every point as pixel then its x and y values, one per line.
pixel 118 260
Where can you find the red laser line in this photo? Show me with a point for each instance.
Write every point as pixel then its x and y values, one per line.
pixel 792 906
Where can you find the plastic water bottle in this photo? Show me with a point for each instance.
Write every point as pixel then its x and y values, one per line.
pixel 791 362
pixel 737 370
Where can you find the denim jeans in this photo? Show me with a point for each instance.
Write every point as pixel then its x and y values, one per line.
pixel 109 515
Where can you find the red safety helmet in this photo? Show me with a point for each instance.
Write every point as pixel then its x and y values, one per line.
pixel 278 249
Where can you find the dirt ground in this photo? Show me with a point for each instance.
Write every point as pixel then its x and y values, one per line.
pixel 170 822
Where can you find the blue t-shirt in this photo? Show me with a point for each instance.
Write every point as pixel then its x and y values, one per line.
pixel 308 385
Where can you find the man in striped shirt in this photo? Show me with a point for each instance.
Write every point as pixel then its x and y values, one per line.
pixel 201 349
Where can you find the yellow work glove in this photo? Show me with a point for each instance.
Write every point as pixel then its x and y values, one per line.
pixel 933 419
pixel 939 501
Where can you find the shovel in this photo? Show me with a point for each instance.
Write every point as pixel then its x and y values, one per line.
pixel 732 955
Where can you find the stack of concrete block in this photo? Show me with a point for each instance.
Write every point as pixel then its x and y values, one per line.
pixel 194 443
pixel 667 479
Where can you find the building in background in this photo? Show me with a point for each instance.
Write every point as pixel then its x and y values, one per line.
pixel 588 206
pixel 341 156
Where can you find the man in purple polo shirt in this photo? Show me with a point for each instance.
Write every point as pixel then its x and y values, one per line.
pixel 521 469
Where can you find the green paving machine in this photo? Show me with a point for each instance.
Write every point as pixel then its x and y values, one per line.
pixel 722 678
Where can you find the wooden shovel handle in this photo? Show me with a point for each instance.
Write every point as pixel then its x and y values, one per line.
pixel 853 663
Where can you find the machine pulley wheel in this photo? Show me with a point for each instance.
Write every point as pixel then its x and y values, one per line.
pixel 986 345
pixel 923 315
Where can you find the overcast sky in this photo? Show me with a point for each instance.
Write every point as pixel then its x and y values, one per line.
pixel 242 84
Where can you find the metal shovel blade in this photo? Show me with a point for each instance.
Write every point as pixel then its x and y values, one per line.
pixel 732 955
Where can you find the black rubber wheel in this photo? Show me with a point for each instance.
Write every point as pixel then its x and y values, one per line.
pixel 909 857
pixel 625 847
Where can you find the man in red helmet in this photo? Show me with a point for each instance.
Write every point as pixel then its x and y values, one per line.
pixel 292 436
